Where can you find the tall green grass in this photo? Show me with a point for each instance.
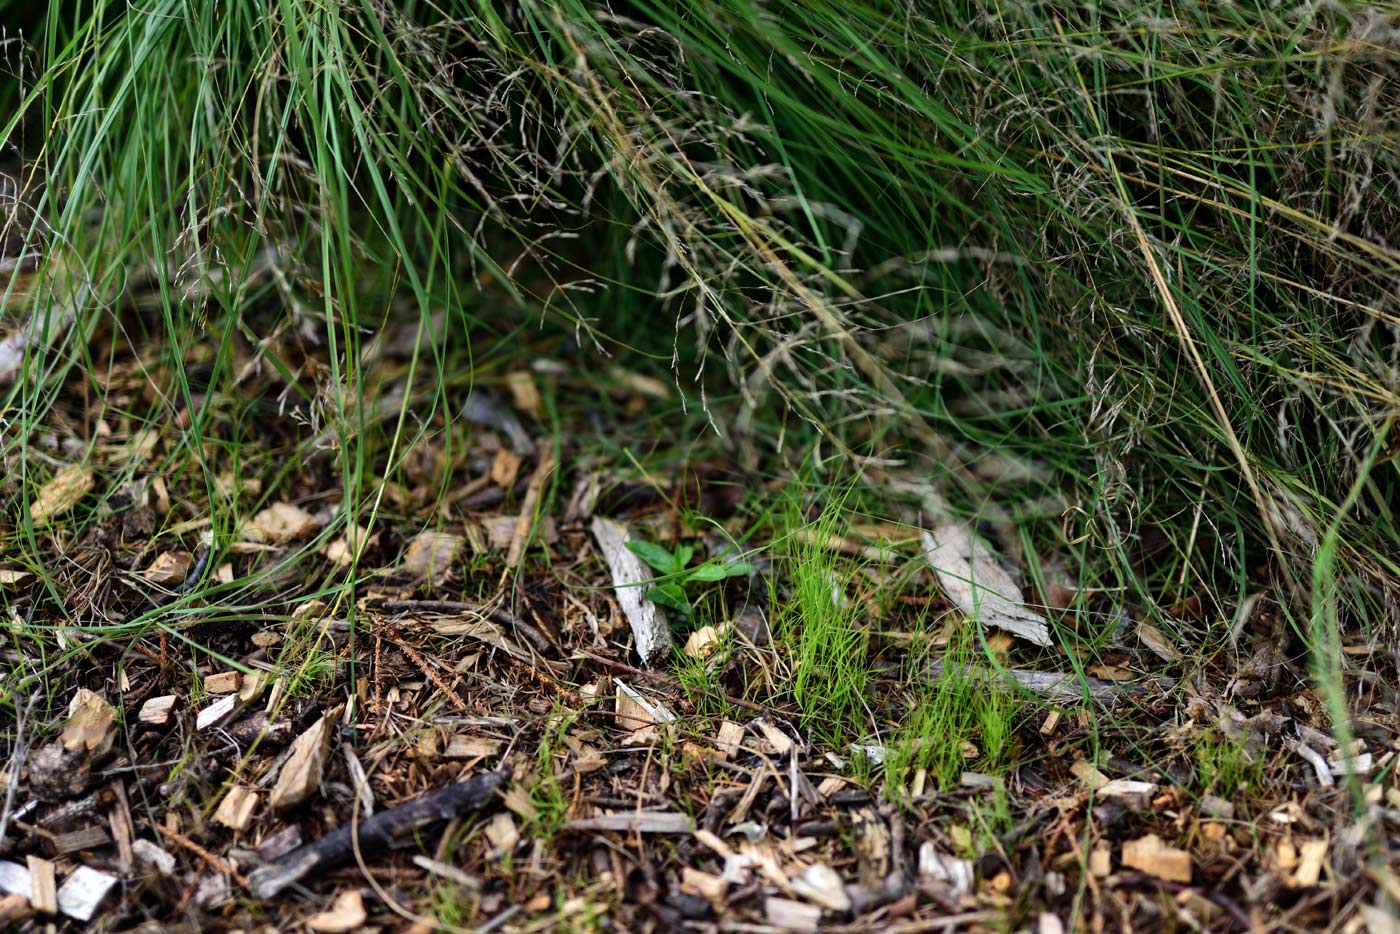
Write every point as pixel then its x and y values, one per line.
pixel 1122 274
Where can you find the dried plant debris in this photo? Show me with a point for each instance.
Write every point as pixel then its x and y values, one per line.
pixel 651 630
pixel 977 584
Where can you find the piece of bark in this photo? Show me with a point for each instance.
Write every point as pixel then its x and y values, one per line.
pixel 43 890
pixel 1060 687
pixel 651 631
pixel 979 586
pixel 88 838
pixel 301 774
pixel 377 832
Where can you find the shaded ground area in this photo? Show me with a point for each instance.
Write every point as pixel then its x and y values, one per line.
pixel 213 671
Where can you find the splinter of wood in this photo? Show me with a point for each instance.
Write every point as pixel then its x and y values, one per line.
pixel 376 833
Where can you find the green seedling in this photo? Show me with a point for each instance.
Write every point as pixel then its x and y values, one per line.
pixel 675 589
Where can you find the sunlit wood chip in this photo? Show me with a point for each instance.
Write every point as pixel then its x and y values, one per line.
pixel 346 913
pixel 301 774
pixel 223 682
pixel 502 834
pixel 92 724
pixel 1150 855
pixel 237 808
pixel 83 891
pixel 157 711
pixel 61 493
pixel 820 885
pixel 430 555
pixel 789 915
pixel 636 822
pixel 728 738
pixel 43 885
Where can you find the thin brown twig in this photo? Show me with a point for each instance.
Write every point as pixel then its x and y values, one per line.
pixel 423 666
pixel 216 863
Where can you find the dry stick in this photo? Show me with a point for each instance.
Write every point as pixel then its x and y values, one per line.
pixel 423 666
pixel 377 832
pixel 215 863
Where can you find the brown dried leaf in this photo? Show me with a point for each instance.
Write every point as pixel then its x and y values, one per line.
pixel 280 523
pixel 169 568
pixel 430 555
pixel 61 493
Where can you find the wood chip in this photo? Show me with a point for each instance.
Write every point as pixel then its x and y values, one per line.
pixel 224 682
pixel 504 837
pixel 346 913
pixel 1311 854
pixel 1100 862
pixel 280 523
pixel 790 915
pixel 63 491
pixel 636 711
pixel 237 808
pixel 217 713
pixel 91 837
pixel 301 774
pixel 505 468
pixel 978 586
pixel 820 885
pixel 92 724
pixel 524 395
pixel 153 855
pixel 728 738
pixel 651 630
pixel 1150 855
pixel 780 741
pixel 636 822
pixel 43 886
pixel 12 576
pixel 83 891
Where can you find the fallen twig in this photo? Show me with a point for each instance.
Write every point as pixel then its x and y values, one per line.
pixel 1061 687
pixel 376 833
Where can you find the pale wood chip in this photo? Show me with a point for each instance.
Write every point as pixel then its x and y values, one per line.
pixel 789 915
pixel 820 885
pixel 237 808
pixel 43 885
pixel 636 822
pixel 1150 855
pixel 224 682
pixel 91 726
pixel 83 891
pixel 158 711
pixel 728 738
pixel 301 774
pixel 347 913
pixel 500 830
